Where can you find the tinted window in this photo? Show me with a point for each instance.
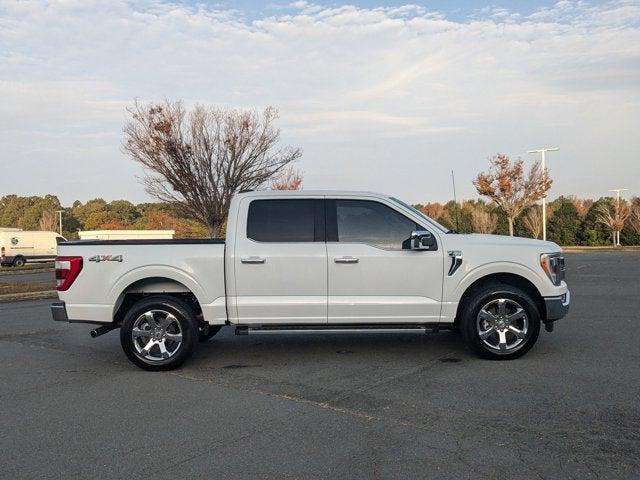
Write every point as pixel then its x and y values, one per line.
pixel 373 223
pixel 286 220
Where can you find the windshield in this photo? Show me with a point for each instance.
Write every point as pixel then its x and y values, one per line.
pixel 418 212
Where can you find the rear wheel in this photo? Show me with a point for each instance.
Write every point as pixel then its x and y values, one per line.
pixel 19 262
pixel 159 333
pixel 501 322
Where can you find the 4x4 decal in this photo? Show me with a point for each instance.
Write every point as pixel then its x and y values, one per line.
pixel 105 258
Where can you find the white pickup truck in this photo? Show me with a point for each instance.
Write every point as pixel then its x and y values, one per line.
pixel 313 262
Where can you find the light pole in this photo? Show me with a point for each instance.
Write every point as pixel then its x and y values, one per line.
pixel 618 192
pixel 542 151
pixel 59 212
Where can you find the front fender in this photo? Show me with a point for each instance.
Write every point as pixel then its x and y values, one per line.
pixel 544 286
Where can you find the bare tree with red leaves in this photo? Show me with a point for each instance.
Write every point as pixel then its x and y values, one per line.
pixel 484 221
pixel 634 217
pixel 290 179
pixel 509 188
pixel 613 214
pixel 200 158
pixel 533 222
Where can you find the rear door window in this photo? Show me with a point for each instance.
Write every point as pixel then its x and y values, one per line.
pixel 286 221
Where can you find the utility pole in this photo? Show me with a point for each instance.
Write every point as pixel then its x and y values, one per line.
pixel 542 151
pixel 618 192
pixel 59 212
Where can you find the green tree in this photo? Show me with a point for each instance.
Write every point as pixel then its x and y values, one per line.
pixel 124 211
pixel 564 225
pixel 592 232
pixel 93 208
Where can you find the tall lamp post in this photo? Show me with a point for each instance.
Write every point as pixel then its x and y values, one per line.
pixel 618 192
pixel 59 212
pixel 542 151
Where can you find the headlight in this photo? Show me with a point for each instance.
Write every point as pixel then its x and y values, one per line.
pixel 553 266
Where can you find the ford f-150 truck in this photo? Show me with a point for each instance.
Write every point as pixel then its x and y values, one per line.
pixel 309 262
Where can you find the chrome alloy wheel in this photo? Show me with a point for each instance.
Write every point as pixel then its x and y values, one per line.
pixel 502 324
pixel 156 335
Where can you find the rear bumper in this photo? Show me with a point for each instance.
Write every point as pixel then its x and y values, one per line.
pixel 557 307
pixel 59 312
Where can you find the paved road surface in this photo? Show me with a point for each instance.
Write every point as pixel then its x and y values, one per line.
pixel 329 406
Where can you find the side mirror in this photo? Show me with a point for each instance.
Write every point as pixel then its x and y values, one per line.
pixel 422 240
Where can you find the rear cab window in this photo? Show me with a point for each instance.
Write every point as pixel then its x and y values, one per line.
pixel 286 221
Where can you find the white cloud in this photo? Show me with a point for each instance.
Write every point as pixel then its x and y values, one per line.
pixel 392 96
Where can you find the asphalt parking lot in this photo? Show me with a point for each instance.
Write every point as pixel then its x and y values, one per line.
pixel 333 406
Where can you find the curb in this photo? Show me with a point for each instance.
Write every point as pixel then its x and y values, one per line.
pixel 20 297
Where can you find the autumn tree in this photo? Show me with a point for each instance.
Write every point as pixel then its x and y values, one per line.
pixel 509 188
pixel 200 158
pixel 289 179
pixel 433 210
pixel 532 221
pixel 48 221
pixel 613 214
pixel 634 216
pixel 484 221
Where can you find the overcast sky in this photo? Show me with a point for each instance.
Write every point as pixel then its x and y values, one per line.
pixel 380 95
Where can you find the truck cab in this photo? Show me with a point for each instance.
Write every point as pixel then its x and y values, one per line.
pixel 315 261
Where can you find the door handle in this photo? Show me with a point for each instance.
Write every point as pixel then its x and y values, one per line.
pixel 253 260
pixel 345 259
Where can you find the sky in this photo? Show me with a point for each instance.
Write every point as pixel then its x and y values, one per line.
pixel 380 96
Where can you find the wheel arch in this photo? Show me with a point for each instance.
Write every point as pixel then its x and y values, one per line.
pixel 159 285
pixel 505 278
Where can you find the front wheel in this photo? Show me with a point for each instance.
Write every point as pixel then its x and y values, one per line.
pixel 159 333
pixel 501 322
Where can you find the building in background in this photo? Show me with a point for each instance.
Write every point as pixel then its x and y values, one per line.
pixel 126 234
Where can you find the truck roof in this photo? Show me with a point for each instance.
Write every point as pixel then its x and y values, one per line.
pixel 319 193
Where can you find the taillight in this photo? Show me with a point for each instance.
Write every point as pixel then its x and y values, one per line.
pixel 67 270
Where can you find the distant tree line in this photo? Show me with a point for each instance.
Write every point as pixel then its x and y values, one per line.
pixel 570 220
pixel 39 213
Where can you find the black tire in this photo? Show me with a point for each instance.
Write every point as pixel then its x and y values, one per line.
pixel 501 343
pixel 208 332
pixel 19 261
pixel 173 320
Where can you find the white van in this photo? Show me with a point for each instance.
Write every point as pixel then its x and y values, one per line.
pixel 19 247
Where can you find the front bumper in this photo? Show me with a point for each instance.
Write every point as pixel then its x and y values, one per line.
pixel 59 312
pixel 557 307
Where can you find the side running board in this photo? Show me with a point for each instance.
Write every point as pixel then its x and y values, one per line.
pixel 382 328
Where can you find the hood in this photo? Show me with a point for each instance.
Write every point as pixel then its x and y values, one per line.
pixel 506 241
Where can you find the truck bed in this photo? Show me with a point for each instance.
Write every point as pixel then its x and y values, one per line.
pixel 113 268
pixel 174 241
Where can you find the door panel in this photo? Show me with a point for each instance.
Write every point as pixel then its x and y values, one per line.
pixel 282 281
pixel 373 276
pixel 383 286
